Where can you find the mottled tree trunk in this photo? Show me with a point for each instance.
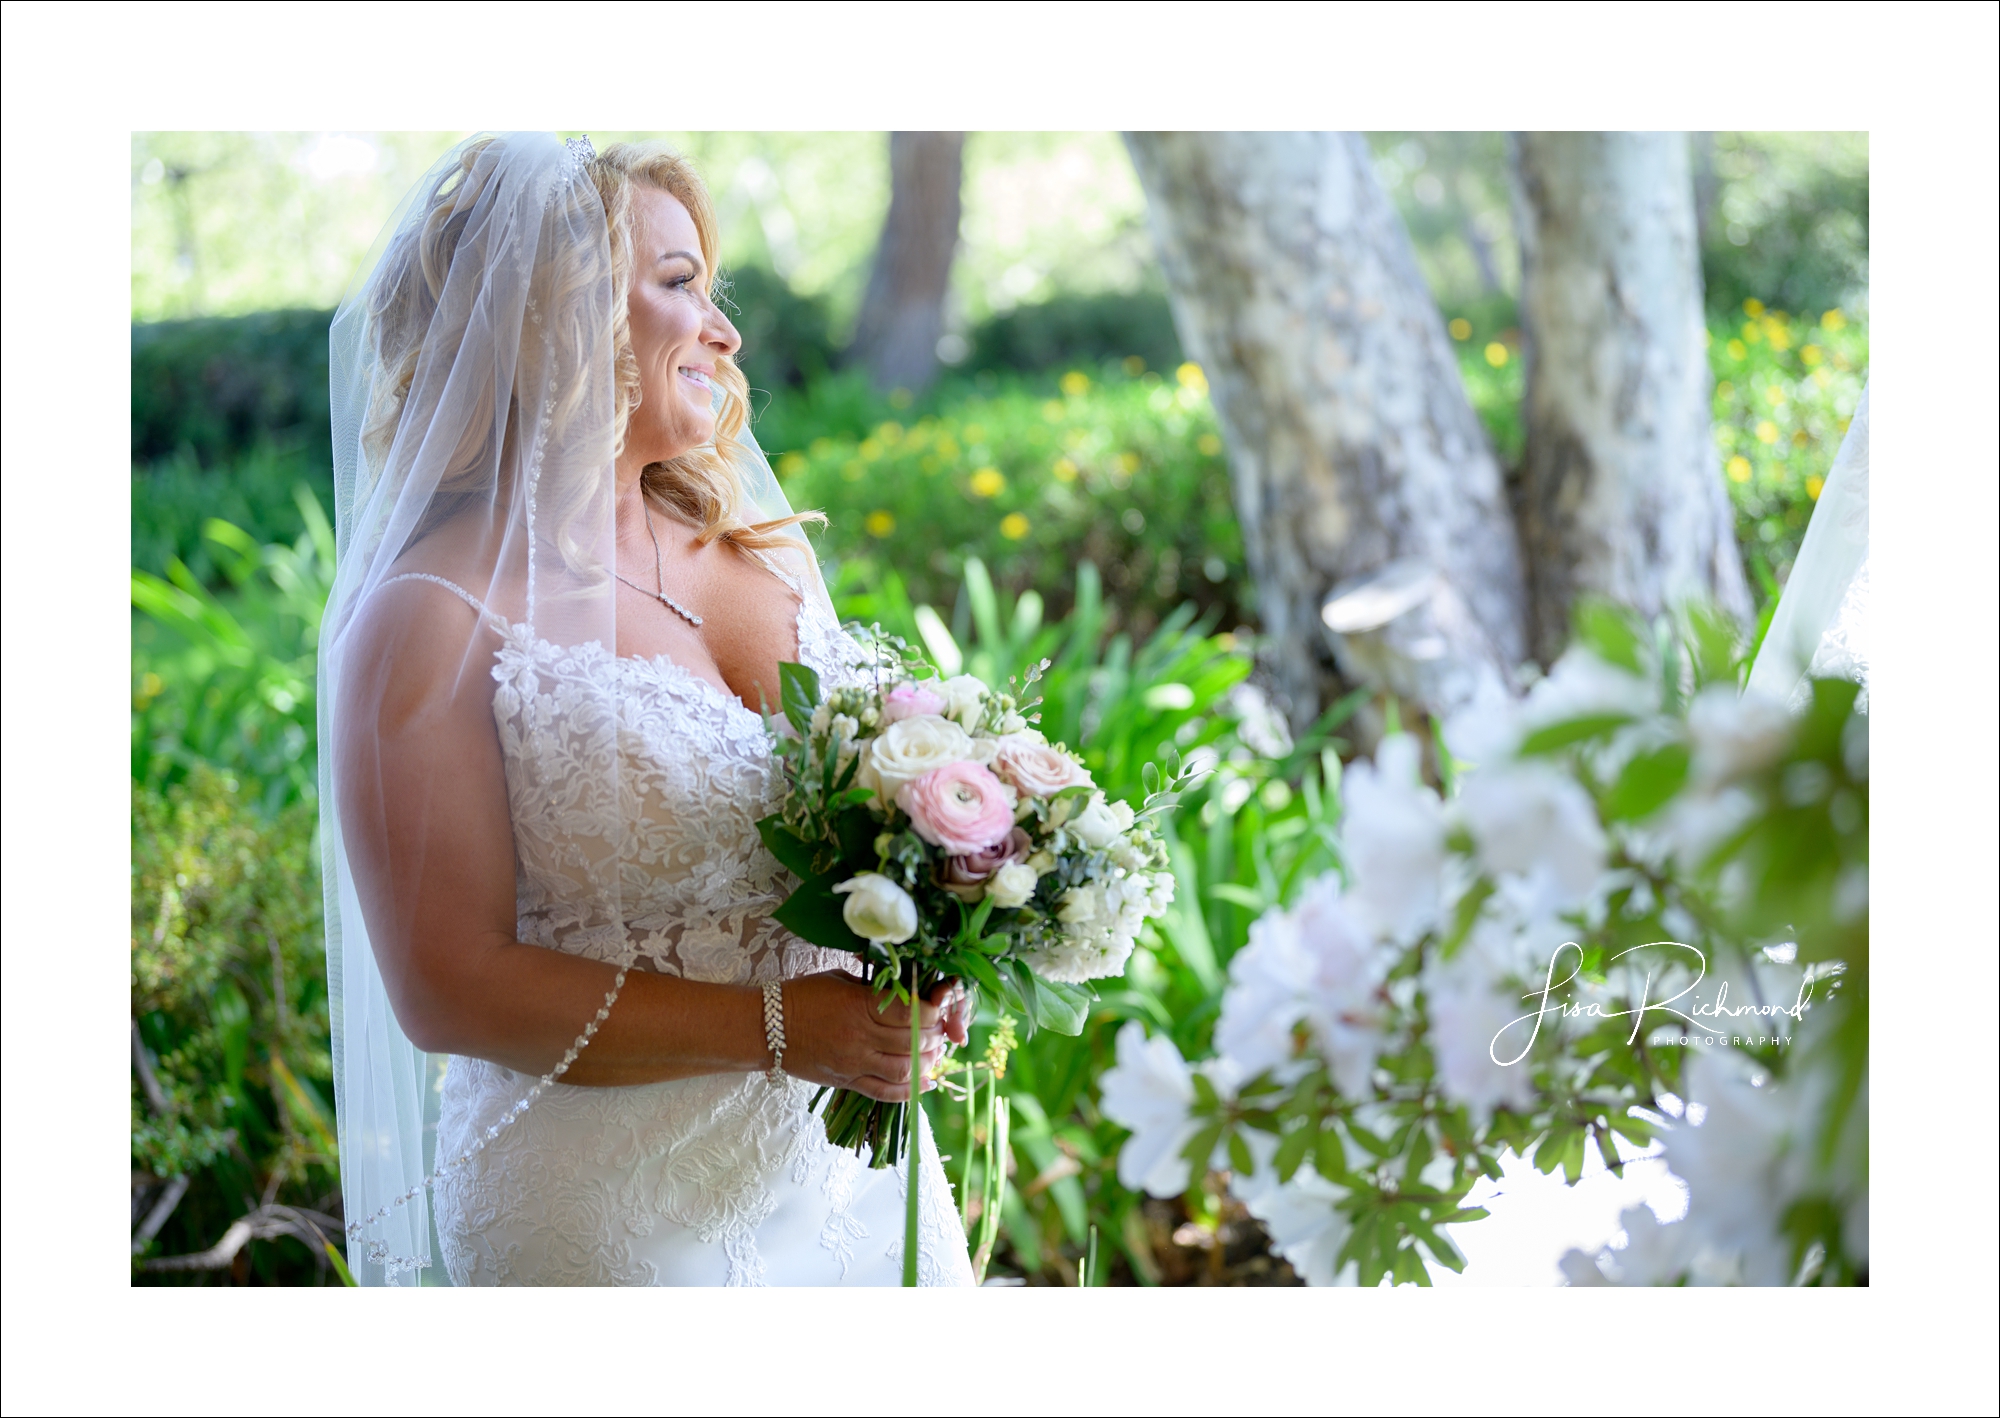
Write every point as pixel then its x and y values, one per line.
pixel 1374 515
pixel 1621 493
pixel 902 314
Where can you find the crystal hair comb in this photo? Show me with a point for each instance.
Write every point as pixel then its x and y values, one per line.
pixel 581 149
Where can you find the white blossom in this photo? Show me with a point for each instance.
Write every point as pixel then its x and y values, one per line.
pixel 1581 685
pixel 1733 1164
pixel 1395 840
pixel 1529 819
pixel 1471 1006
pixel 1301 1216
pixel 1150 1091
pixel 1735 734
pixel 1313 964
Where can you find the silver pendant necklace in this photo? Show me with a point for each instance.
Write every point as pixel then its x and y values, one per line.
pixel 659 594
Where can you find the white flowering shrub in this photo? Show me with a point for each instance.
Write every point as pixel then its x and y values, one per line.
pixel 1635 920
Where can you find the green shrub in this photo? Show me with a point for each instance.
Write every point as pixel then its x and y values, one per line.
pixel 1786 386
pixel 219 386
pixel 1124 470
pixel 228 679
pixel 232 1075
pixel 1077 330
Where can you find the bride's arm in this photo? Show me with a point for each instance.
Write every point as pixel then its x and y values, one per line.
pixel 422 795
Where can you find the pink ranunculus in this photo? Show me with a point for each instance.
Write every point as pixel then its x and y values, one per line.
pixel 909 699
pixel 960 807
pixel 1037 769
pixel 965 874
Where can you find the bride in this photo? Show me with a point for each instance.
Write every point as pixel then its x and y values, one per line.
pixel 570 1045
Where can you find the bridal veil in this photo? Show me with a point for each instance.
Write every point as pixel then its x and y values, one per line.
pixel 472 383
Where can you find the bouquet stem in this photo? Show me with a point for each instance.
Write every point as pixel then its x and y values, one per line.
pixel 916 1148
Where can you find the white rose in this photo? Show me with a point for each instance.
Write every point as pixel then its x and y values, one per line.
pixel 844 727
pixel 905 751
pixel 877 908
pixel 1122 814
pixel 964 698
pixel 1097 825
pixel 1012 723
pixel 1012 885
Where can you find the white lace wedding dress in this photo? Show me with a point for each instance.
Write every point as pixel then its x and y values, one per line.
pixel 721 1180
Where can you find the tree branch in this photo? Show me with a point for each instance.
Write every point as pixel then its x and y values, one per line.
pixel 266 1223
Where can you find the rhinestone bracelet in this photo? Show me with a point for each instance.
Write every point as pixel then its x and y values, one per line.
pixel 774 1028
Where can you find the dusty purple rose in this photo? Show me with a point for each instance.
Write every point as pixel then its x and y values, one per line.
pixel 965 875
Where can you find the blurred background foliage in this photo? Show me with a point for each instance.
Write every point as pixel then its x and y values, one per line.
pixel 1061 490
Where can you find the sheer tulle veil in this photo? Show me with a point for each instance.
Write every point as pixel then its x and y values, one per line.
pixel 1820 627
pixel 472 388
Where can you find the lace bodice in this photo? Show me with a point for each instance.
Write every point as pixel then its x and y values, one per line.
pixel 636 842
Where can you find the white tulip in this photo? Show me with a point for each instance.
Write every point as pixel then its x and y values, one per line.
pixel 1012 885
pixel 877 908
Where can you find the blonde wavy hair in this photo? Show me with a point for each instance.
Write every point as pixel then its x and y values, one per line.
pixel 700 485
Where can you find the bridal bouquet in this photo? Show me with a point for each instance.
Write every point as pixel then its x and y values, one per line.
pixel 937 835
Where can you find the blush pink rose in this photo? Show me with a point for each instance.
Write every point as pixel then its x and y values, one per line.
pixel 909 699
pixel 1037 769
pixel 965 875
pixel 960 807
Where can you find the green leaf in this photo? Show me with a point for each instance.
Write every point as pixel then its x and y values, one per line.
pixel 1063 1008
pixel 1030 997
pixel 1239 1155
pixel 1614 633
pixel 1330 1156
pixel 976 967
pixel 1647 783
pixel 798 692
pixel 1292 1151
pixel 793 852
pixel 1464 914
pixel 1200 1148
pixel 812 913
pixel 1551 737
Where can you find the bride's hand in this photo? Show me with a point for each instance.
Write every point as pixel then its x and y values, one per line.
pixel 839 1032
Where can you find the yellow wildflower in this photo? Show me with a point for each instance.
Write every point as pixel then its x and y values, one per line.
pixel 1739 469
pixel 1496 354
pixel 1813 486
pixel 1461 328
pixel 791 465
pixel 1767 432
pixel 1811 355
pixel 1064 470
pixel 1833 320
pixel 880 523
pixel 1209 444
pixel 1075 383
pixel 1753 307
pixel 1013 526
pixel 1191 378
pixel 988 482
pixel 1736 350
